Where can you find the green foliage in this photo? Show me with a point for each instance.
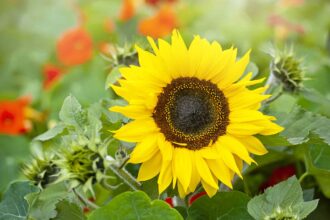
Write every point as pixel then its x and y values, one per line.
pixel 299 123
pixel 43 203
pixel 135 205
pixel 283 201
pixel 317 154
pixel 14 150
pixel 67 210
pixel 51 133
pixel 14 206
pixel 224 205
pixel 112 78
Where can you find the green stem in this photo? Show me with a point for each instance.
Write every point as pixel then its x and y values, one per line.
pixel 273 98
pixel 302 177
pixel 85 200
pixel 126 177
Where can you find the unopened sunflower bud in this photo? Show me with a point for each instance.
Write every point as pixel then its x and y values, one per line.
pixel 81 166
pixel 288 71
pixel 41 170
pixel 125 56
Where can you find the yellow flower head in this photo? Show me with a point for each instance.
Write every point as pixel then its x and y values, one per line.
pixel 194 119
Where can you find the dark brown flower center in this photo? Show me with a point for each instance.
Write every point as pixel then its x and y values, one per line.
pixel 191 113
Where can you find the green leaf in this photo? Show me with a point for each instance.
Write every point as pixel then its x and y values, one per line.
pixel 51 133
pixel 299 123
pixel 114 117
pixel 43 204
pixel 319 154
pixel 224 205
pixel 112 78
pixel 14 206
pixel 71 112
pixel 282 201
pixel 316 157
pixel 135 205
pixel 68 211
pixel 14 151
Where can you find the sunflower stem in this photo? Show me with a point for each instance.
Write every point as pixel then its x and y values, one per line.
pixel 84 200
pixel 302 177
pixel 126 177
pixel 273 98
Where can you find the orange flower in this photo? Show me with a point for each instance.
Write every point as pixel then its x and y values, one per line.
pixel 106 48
pixel 109 26
pixel 75 47
pixel 127 10
pixel 51 74
pixel 160 24
pixel 12 116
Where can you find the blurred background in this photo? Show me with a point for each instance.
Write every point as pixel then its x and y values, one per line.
pixel 52 48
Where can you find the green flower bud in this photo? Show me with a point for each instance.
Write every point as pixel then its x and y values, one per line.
pixel 41 170
pixel 288 71
pixel 81 166
pixel 125 56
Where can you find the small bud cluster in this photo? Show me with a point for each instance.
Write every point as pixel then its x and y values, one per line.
pixel 288 71
pixel 122 56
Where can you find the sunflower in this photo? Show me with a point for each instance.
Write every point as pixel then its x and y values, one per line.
pixel 194 117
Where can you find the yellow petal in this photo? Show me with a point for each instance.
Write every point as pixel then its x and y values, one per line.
pixel 150 168
pixel 235 147
pixel 136 130
pixel 235 71
pixel 227 60
pixel 209 152
pixel 229 160
pixel 165 176
pixel 182 192
pixel 247 116
pixel 270 128
pixel 221 171
pixel 182 162
pixel 165 147
pixel 132 111
pixel 179 54
pixel 239 163
pixel 195 178
pixel 153 45
pixel 211 191
pixel 195 54
pixel 149 61
pixel 253 145
pixel 244 100
pixel 243 129
pixel 144 150
pixel 204 170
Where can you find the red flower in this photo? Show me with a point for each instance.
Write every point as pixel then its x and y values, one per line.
pixel 196 196
pixel 51 74
pixel 278 175
pixel 159 25
pixel 75 47
pixel 12 116
pixel 283 27
pixel 169 201
pixel 156 2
